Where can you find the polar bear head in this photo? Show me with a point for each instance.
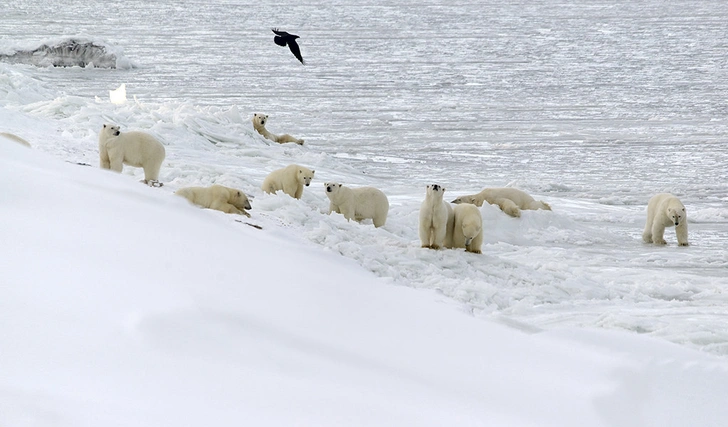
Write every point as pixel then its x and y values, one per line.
pixel 305 175
pixel 332 188
pixel 465 199
pixel 436 191
pixel 259 120
pixel 110 130
pixel 472 226
pixel 239 200
pixel 676 215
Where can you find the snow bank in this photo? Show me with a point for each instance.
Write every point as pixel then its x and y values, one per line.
pixel 124 305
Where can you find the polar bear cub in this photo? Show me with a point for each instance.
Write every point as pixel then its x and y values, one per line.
pixel 435 218
pixel 218 197
pixel 665 210
pixel 138 149
pixel 259 121
pixel 467 228
pixel 358 203
pixel 290 179
pixel 510 200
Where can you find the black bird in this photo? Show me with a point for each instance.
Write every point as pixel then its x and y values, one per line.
pixel 282 38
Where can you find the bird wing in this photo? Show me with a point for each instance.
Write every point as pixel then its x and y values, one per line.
pixel 280 33
pixel 295 50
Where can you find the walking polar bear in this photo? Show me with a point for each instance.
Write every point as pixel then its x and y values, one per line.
pixel 259 121
pixel 436 218
pixel 137 149
pixel 510 200
pixel 467 228
pixel 290 179
pixel 665 210
pixel 218 197
pixel 358 203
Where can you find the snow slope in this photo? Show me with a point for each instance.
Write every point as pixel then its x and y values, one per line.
pixel 123 305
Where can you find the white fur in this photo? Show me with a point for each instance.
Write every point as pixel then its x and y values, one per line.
pixel 358 203
pixel 510 200
pixel 665 210
pixel 259 121
pixel 467 228
pixel 434 216
pixel 290 179
pixel 136 149
pixel 218 197
pixel 15 138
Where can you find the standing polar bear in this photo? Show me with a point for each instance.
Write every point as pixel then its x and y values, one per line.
pixel 136 149
pixel 665 210
pixel 467 228
pixel 435 218
pixel 218 197
pixel 259 121
pixel 358 203
pixel 510 200
pixel 290 179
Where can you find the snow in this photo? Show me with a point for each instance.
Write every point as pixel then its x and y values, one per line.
pixel 123 305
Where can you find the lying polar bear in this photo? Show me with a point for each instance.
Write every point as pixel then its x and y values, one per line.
pixel 259 121
pixel 510 200
pixel 218 197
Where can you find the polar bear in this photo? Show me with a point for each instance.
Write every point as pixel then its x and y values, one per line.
pixel 136 149
pixel 259 121
pixel 15 138
pixel 510 200
pixel 358 203
pixel 467 228
pixel 290 179
pixel 218 197
pixel 665 210
pixel 435 218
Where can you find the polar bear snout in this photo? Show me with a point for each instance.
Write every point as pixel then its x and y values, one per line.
pixel 329 189
pixel 435 187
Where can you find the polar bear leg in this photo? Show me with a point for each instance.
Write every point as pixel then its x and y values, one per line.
pixel 281 139
pixel 682 234
pixel 509 207
pixel 380 220
pixel 116 163
pixel 425 232
pixel 647 234
pixel 291 190
pixel 151 172
pixel 440 232
pixel 226 207
pixel 538 204
pixel 349 212
pixel 658 233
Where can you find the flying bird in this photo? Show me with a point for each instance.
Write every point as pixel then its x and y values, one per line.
pixel 282 38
